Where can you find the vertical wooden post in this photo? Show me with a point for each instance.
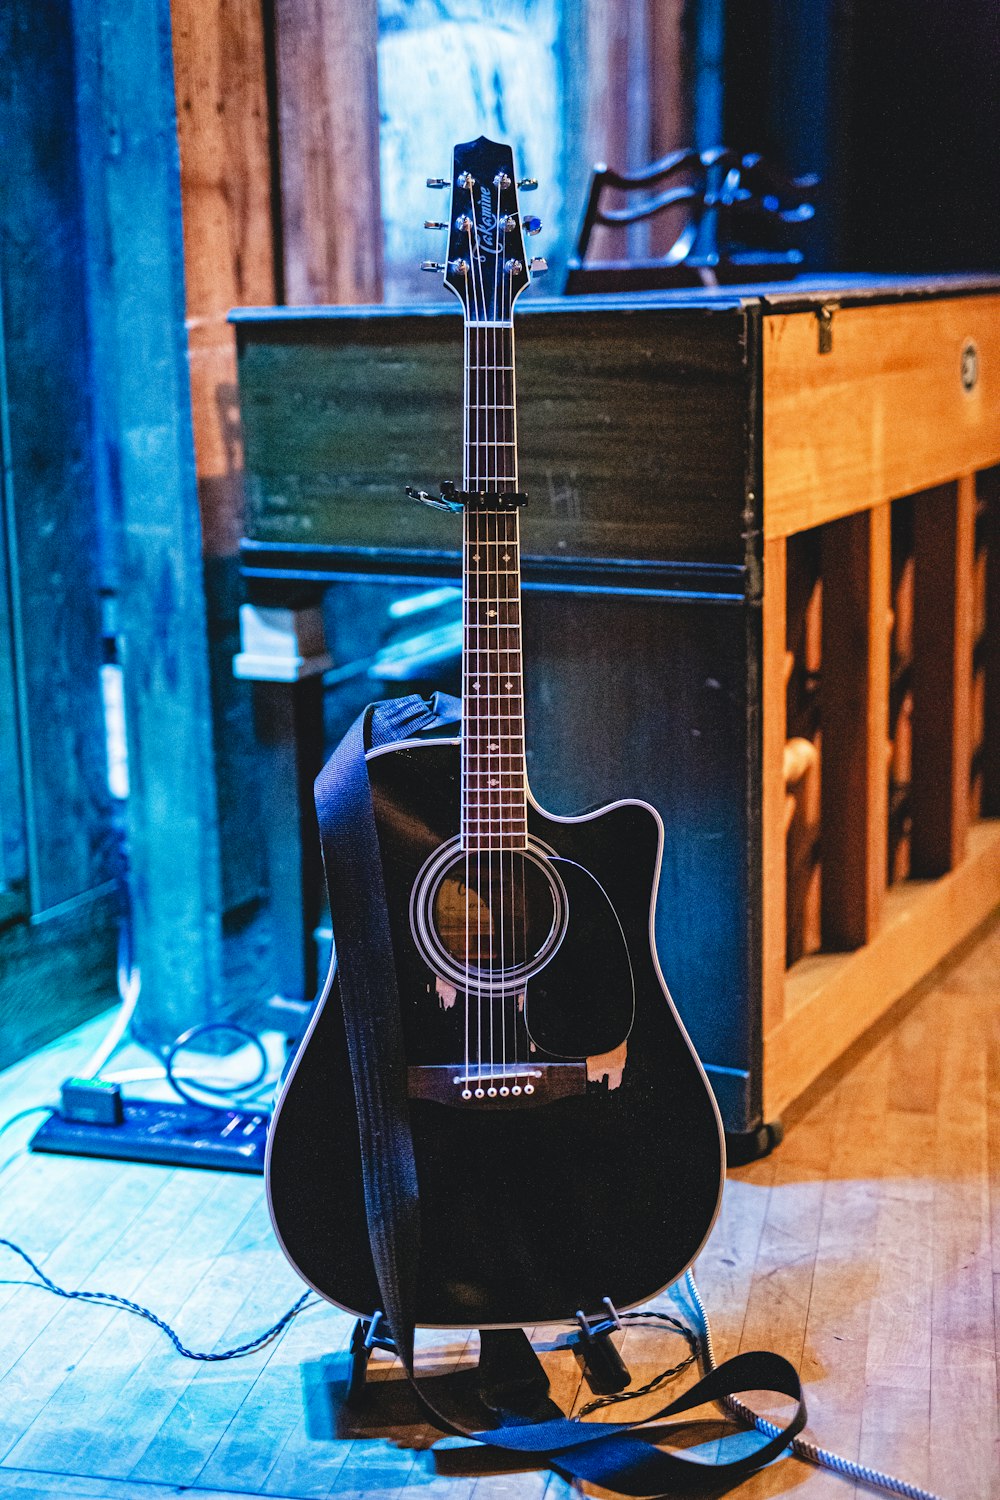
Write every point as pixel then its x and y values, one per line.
pixel 943 543
pixel 328 125
pixel 855 723
pixel 142 403
pixel 773 783
pixel 990 485
pixel 222 124
pixel 220 74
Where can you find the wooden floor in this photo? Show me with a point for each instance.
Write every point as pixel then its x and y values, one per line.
pixel 866 1249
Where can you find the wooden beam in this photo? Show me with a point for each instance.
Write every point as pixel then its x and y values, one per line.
pixel 773 784
pixel 142 403
pixel 855 723
pixel 225 148
pixel 328 123
pixel 989 484
pixel 884 413
pixel 220 74
pixel 943 544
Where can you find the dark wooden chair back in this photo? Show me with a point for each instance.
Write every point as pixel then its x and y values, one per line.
pixel 737 211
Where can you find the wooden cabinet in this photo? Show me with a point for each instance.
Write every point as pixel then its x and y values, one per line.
pixel 715 481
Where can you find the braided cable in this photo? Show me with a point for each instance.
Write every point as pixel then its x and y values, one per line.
pixel 111 1299
pixel 647 1318
pixel 800 1446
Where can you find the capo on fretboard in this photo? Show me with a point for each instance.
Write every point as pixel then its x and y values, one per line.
pixel 457 500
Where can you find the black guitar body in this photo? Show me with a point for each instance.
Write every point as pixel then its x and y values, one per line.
pixel 573 1152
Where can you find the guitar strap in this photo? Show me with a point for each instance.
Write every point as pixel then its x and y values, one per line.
pixel 615 1455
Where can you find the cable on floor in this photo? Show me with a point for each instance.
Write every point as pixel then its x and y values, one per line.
pixel 111 1299
pixel 801 1447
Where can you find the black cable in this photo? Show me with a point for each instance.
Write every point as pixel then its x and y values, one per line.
pixel 694 1347
pixel 110 1299
pixel 234 1094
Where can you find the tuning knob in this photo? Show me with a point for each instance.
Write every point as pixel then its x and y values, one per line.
pixel 531 225
pixel 434 224
pixel 437 182
pixel 432 265
pixel 539 264
pixel 526 184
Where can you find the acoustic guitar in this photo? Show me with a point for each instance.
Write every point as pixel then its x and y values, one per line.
pixel 567 1143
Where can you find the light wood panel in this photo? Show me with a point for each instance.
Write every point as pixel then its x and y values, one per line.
pixel 773 784
pixel 831 998
pixel 328 122
pixel 855 710
pixel 883 414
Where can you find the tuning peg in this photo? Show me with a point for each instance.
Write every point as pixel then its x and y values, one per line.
pixel 538 265
pixel 437 182
pixel 434 224
pixel 527 184
pixel 432 265
pixel 531 225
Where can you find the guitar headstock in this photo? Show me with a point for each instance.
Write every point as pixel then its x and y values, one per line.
pixel 487 266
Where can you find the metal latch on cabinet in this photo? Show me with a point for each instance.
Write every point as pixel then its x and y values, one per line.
pixel 824 316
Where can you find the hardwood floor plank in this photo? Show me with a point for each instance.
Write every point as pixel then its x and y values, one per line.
pixel 36 1485
pixel 50 1358
pixel 213 1396
pixel 44 1204
pixel 30 1311
pixel 867 1248
pixel 165 1381
pixel 122 1383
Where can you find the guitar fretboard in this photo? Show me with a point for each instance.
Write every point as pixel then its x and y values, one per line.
pixel 494 798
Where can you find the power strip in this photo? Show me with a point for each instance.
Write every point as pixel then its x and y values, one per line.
pixel 175 1135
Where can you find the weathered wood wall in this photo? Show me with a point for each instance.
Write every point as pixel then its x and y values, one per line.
pixel 142 430
pixel 56 867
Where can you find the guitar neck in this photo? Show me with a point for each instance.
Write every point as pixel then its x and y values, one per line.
pixel 494 797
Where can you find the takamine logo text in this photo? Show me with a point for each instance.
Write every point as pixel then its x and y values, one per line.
pixel 487 221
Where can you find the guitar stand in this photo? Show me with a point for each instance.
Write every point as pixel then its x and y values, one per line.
pixel 366 1335
pixel 605 1370
pixel 510 1370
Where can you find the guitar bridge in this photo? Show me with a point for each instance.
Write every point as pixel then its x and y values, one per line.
pixel 496 1086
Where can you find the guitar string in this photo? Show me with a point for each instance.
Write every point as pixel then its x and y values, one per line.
pixel 510 577
pixel 499 243
pixel 467 1092
pixel 519 661
pixel 490 456
pixel 482 355
pixel 470 731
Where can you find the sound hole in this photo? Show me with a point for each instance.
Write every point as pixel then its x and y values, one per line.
pixel 489 918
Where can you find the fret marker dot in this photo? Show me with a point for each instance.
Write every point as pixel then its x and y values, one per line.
pixel 508 684
pixel 492 614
